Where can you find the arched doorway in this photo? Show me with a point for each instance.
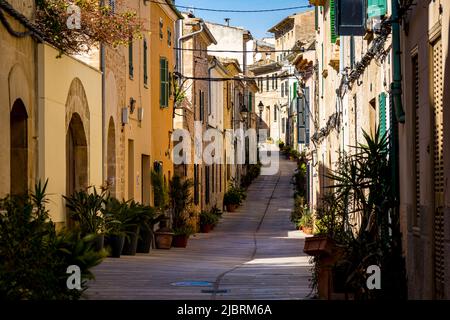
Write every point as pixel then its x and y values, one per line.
pixel 111 157
pixel 19 148
pixel 76 156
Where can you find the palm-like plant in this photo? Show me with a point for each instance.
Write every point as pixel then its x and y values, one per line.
pixel 364 214
pixel 86 209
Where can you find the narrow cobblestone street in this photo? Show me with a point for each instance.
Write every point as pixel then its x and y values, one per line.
pixel 254 253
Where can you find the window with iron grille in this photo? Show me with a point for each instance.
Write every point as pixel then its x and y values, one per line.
pixel 145 62
pixel 415 111
pixel 161 27
pixel 130 59
pixel 438 139
pixel 169 37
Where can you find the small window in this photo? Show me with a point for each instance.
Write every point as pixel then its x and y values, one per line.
pixel 130 59
pixel 275 114
pixel 267 83
pixel 112 5
pixel 161 26
pixel 145 62
pixel 282 89
pixel 169 37
pixel 164 83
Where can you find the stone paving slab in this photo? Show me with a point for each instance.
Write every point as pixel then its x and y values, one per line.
pixel 254 253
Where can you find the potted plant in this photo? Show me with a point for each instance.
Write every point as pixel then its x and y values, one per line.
pixel 85 209
pixel 137 215
pixel 181 236
pixel 164 235
pixel 180 200
pixel 233 196
pixel 146 234
pixel 306 222
pixel 207 221
pixel 116 222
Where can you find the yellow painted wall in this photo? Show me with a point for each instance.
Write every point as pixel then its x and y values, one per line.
pixel 55 78
pixel 162 121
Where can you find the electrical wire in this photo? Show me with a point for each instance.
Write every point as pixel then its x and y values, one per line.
pixel 291 76
pixel 232 10
pixel 239 51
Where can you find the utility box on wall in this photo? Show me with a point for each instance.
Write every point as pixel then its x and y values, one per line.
pixel 350 17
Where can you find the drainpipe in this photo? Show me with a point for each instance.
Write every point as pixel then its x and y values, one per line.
pixel 214 64
pixel 179 41
pixel 396 109
pixel 103 67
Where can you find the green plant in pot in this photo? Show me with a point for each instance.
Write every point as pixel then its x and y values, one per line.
pixel 146 234
pixel 85 209
pixel 34 257
pixel 118 222
pixel 164 235
pixel 233 197
pixel 138 215
pixel 180 200
pixel 207 221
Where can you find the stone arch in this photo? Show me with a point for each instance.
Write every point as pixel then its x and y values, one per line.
pixel 111 99
pixel 76 156
pixel 77 103
pixel 111 160
pixel 19 87
pixel 18 148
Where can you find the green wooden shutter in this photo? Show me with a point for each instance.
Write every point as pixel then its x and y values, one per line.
pixel 164 82
pixel 333 21
pixel 250 101
pixel 376 8
pixel 295 89
pixel 316 18
pixel 382 113
pixel 167 82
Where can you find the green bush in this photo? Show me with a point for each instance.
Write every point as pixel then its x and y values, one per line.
pixel 34 257
pixel 299 209
pixel 207 217
pixel 86 210
pixel 234 195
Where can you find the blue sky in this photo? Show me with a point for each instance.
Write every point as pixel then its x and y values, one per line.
pixel 257 23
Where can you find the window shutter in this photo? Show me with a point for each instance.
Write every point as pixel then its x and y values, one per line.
pixel 382 113
pixel 250 101
pixel 200 103
pixel 167 89
pixel 307 132
pixel 437 94
pixel 295 89
pixel 316 18
pixel 333 22
pixel 301 120
pixel 352 52
pixel 415 65
pixel 282 89
pixel 162 75
pixel 376 8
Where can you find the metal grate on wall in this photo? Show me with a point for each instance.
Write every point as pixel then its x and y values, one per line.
pixel 437 94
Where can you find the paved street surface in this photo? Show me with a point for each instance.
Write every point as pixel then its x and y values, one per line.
pixel 253 253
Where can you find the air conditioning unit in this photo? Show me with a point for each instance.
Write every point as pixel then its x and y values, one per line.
pixel 125 116
pixel 140 114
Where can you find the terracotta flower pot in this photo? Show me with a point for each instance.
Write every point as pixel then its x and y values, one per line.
pixel 206 228
pixel 317 245
pixel 307 230
pixel 180 241
pixel 231 207
pixel 163 240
